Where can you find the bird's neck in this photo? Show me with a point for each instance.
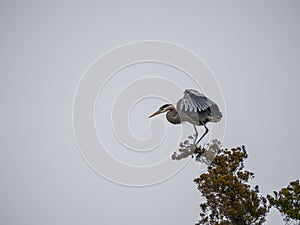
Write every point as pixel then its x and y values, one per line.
pixel 173 116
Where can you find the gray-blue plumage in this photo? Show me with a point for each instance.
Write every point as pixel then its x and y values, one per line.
pixel 197 109
pixel 194 108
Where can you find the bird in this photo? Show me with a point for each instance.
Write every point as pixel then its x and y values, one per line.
pixel 193 107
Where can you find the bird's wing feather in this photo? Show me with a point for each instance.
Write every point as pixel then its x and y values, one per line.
pixel 193 101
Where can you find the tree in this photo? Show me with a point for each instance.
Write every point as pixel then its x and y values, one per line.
pixel 229 197
pixel 287 201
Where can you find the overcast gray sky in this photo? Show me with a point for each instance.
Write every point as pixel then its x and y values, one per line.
pixel 253 49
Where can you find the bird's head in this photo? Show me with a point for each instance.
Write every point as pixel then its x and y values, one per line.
pixel 162 109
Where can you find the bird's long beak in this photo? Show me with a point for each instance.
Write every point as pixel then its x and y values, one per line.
pixel 154 114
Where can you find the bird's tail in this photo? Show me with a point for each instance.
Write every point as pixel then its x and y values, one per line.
pixel 216 114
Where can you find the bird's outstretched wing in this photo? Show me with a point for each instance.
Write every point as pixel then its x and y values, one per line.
pixel 193 101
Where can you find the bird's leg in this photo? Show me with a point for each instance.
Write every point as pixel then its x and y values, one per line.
pixel 206 131
pixel 196 134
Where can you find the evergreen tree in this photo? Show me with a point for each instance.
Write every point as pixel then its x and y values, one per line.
pixel 229 199
pixel 287 201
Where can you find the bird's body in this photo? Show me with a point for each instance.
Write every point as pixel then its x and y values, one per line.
pixel 194 108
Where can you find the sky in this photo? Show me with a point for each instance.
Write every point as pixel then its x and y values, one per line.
pixel 249 57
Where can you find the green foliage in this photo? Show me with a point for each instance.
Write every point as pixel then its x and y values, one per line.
pixel 229 197
pixel 287 201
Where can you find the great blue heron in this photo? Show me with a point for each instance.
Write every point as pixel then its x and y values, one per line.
pixel 194 108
